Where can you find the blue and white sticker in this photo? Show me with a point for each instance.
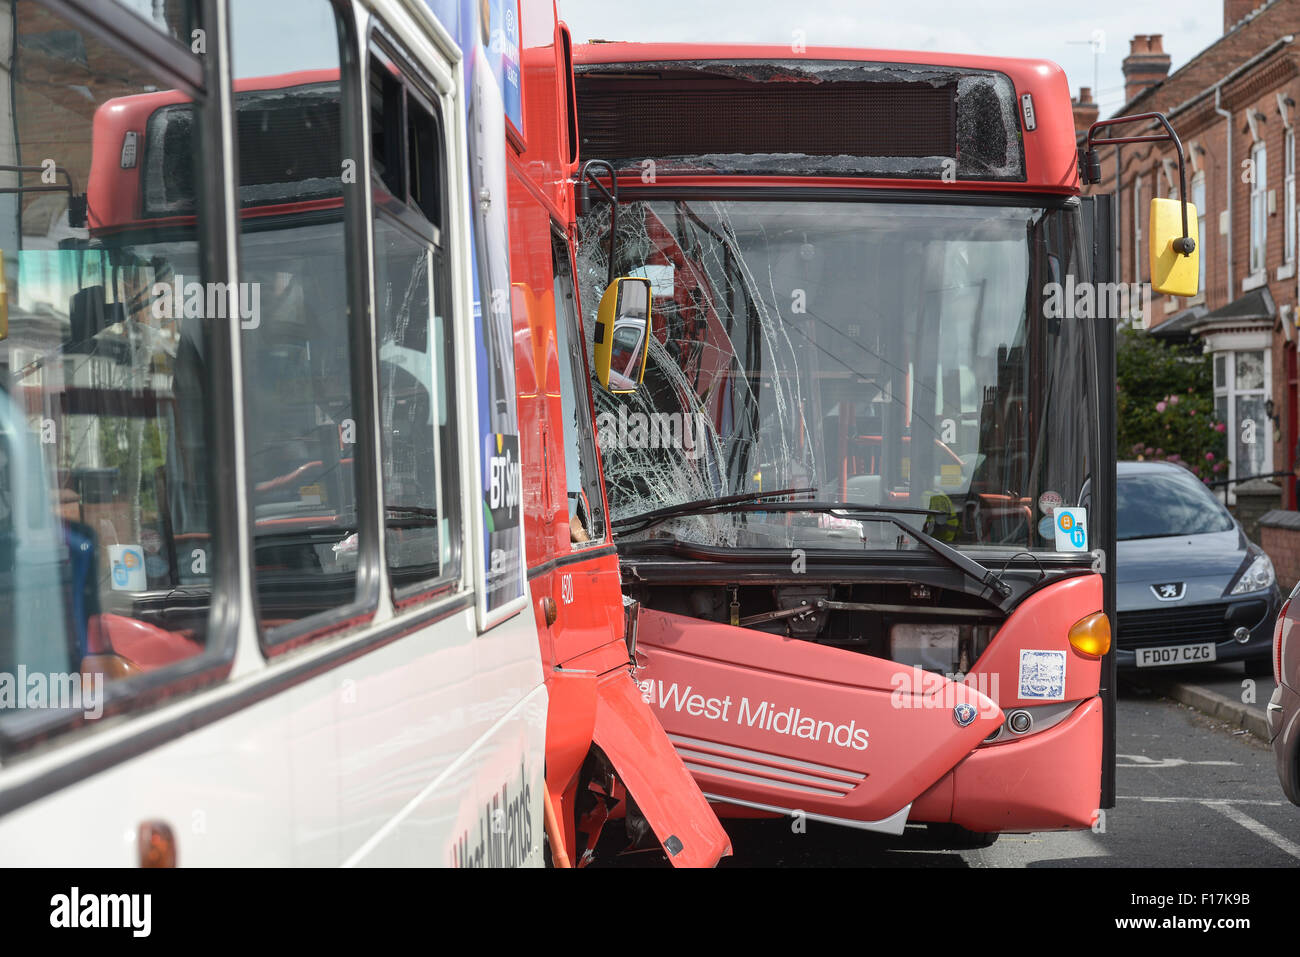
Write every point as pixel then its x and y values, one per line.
pixel 126 563
pixel 1042 675
pixel 1071 528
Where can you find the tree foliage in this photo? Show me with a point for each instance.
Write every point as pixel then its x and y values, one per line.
pixel 1165 396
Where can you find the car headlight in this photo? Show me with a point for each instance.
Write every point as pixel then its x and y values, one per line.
pixel 1258 575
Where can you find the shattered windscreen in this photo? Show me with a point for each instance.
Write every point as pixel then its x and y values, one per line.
pixel 879 354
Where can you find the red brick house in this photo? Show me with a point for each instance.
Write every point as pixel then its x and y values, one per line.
pixel 1236 108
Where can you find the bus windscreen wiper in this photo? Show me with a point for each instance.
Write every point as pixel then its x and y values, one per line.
pixel 987 577
pixel 990 579
pixel 704 506
pixel 889 513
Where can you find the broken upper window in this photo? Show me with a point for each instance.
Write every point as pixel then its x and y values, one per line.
pixel 830 118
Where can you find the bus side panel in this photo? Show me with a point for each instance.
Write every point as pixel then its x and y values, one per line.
pixel 1044 782
pixel 216 788
pixel 1038 633
pixel 790 724
pixel 630 734
pixel 386 759
pixel 453 710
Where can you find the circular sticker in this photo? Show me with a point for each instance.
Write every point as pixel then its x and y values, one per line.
pixel 1045 528
pixel 1048 501
pixel 150 541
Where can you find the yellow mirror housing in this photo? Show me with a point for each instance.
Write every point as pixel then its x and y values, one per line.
pixel 1173 273
pixel 622 334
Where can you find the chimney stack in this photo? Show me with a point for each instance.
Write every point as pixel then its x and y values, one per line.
pixel 1085 110
pixel 1146 64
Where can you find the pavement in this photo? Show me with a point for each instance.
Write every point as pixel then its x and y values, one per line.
pixel 1221 691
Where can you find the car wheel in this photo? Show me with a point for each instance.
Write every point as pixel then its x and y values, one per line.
pixel 957 838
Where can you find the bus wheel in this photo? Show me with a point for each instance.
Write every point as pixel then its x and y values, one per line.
pixel 957 838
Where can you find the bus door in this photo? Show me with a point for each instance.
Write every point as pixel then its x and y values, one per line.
pixel 1098 218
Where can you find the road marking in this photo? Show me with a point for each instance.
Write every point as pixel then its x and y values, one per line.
pixel 1142 761
pixel 1192 800
pixel 1256 828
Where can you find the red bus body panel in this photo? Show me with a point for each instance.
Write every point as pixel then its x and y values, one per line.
pixel 775 721
pixel 593 698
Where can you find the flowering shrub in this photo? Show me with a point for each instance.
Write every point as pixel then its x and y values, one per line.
pixel 1166 405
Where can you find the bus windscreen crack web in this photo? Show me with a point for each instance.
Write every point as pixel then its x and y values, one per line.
pixel 709 419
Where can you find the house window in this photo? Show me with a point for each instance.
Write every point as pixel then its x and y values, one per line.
pixel 1289 154
pixel 1241 389
pixel 1137 229
pixel 1198 200
pixel 1258 206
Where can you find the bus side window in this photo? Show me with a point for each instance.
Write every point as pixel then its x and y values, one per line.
pixel 107 547
pixel 417 432
pixel 305 444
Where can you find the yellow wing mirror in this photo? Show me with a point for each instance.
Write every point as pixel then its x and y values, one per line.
pixel 1175 256
pixel 1175 262
pixel 623 334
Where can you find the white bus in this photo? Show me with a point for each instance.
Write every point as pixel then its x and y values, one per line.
pixel 249 609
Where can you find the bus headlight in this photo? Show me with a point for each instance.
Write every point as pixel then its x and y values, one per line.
pixel 1257 576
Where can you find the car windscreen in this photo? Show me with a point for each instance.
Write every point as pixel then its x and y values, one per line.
pixel 1167 503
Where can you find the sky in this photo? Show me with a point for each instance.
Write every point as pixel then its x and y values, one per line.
pixel 1050 29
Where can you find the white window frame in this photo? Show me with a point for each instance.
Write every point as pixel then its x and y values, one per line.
pixel 1198 200
pixel 1228 345
pixel 1258 209
pixel 1137 229
pixel 1288 158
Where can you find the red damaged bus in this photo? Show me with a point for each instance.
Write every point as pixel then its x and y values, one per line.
pixel 422 518
pixel 864 494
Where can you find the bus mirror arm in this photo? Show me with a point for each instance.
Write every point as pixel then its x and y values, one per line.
pixel 1090 164
pixel 586 180
pixel 77 205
